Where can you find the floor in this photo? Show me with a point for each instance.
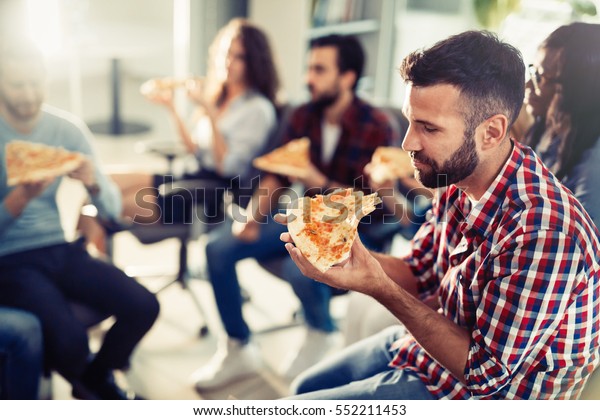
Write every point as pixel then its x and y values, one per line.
pixel 172 350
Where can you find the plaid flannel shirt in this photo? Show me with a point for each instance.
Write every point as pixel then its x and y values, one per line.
pixel 520 271
pixel 363 129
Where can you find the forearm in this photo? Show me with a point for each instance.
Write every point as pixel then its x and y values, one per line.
pixel 219 146
pixel 441 338
pixel 398 271
pixel 15 202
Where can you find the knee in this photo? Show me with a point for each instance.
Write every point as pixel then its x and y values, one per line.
pixel 302 285
pixel 25 329
pixel 145 309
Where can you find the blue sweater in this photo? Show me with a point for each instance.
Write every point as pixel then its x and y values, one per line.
pixel 39 224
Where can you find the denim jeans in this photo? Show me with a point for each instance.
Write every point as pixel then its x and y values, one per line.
pixel 43 281
pixel 361 372
pixel 223 251
pixel 21 354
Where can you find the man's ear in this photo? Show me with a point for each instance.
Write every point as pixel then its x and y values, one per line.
pixel 495 130
pixel 348 78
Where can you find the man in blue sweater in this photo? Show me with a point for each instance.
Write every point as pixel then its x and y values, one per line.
pixel 39 270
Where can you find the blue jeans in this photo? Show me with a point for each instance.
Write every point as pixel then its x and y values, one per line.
pixel 361 372
pixel 21 354
pixel 223 251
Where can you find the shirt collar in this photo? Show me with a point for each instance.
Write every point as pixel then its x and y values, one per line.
pixel 485 216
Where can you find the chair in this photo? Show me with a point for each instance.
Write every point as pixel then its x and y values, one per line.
pixel 184 232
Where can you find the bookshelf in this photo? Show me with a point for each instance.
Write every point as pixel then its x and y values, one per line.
pixel 372 22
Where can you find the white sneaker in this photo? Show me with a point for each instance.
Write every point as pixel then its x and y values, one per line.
pixel 233 360
pixel 314 347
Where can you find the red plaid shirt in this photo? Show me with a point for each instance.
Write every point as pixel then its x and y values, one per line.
pixel 520 271
pixel 363 129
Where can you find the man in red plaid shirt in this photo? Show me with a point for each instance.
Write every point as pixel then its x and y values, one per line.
pixel 510 254
pixel 344 132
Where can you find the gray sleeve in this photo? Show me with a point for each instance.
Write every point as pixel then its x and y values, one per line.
pixel 5 217
pixel 108 200
pixel 248 137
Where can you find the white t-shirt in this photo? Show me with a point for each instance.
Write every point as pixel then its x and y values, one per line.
pixel 331 137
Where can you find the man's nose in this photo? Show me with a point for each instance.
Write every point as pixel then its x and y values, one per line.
pixel 411 143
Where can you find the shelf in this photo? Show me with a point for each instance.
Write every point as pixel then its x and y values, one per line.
pixel 345 28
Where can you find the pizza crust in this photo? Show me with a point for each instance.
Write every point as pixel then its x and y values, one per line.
pixel 325 227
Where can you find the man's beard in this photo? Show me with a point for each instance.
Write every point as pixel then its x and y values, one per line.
pixel 20 111
pixel 325 100
pixel 460 165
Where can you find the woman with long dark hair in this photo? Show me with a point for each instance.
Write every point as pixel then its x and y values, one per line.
pixel 236 113
pixel 563 95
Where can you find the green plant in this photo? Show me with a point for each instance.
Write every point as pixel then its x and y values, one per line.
pixel 491 13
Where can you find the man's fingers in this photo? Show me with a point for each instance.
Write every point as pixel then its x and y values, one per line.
pixel 285 237
pixel 281 218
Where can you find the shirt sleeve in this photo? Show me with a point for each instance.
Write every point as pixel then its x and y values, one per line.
pixel 424 251
pixel 108 199
pixel 248 139
pixel 535 279
pixel 5 217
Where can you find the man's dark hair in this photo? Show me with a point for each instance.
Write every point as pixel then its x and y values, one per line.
pixel 350 53
pixel 489 74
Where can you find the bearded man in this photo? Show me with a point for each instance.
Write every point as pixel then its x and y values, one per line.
pixel 344 132
pixel 510 254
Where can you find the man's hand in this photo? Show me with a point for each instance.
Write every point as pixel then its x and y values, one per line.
pixel 85 173
pixel 360 272
pixel 248 231
pixel 311 178
pixel 16 201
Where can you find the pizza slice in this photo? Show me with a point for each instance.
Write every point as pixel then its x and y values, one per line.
pixel 32 162
pixel 291 159
pixel 390 163
pixel 155 86
pixel 324 227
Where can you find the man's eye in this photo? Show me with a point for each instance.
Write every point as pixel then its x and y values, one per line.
pixel 429 129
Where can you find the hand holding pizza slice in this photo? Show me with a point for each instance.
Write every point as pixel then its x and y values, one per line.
pixel 324 228
pixel 28 162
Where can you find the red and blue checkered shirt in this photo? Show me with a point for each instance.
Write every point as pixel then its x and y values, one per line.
pixel 520 271
pixel 363 129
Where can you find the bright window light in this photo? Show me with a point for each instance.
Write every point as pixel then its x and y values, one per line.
pixel 44 21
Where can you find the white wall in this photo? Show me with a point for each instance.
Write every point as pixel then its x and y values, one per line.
pixel 286 24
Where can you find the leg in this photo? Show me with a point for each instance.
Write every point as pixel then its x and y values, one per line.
pixel 361 371
pixel 236 356
pixel 21 354
pixel 104 287
pixel 314 296
pixel 65 339
pixel 223 251
pixel 130 184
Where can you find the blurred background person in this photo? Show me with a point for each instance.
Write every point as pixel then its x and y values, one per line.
pixel 235 114
pixel 563 96
pixel 21 354
pixel 344 131
pixel 40 271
